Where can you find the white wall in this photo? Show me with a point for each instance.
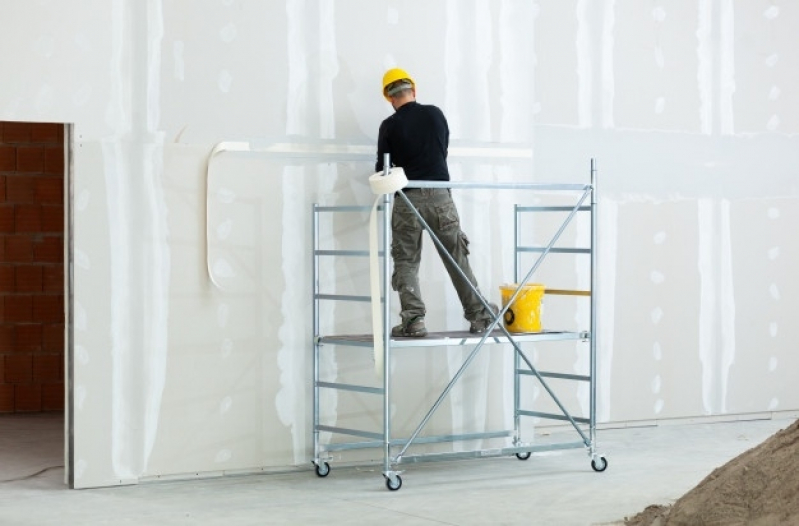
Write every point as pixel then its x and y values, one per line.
pixel 689 107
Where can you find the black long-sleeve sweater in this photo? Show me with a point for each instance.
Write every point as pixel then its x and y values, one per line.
pixel 416 136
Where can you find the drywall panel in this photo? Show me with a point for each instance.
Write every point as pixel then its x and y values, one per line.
pixel 192 272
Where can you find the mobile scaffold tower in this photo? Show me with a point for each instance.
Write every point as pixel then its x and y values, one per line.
pixel 396 449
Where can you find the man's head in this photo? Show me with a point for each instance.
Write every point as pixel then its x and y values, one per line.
pixel 398 87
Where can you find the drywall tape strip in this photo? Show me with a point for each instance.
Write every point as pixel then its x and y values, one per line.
pixel 381 184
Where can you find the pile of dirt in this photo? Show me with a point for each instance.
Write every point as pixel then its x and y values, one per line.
pixel 759 487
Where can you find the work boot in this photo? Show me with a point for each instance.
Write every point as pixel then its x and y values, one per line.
pixel 480 326
pixel 413 328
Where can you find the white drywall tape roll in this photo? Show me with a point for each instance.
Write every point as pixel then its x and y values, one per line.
pixel 381 184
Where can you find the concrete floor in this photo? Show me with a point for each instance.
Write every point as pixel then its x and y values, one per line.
pixel 646 465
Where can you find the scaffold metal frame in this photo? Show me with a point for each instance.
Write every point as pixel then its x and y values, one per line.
pixel 396 450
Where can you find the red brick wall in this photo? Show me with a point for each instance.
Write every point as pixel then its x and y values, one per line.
pixel 31 267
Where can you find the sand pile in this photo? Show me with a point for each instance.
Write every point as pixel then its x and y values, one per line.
pixel 759 487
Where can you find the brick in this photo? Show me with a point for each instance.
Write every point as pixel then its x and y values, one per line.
pixel 7 224
pixel 28 337
pixel 16 132
pixel 18 309
pixel 53 397
pixel 50 190
pixel 27 398
pixel 53 337
pixel 28 278
pixel 30 159
pixel 18 249
pixel 28 219
pixel 48 249
pixel 48 309
pixel 54 160
pixel 8 341
pixel 6 398
pixel 21 189
pixel 52 218
pixel 53 278
pixel 18 368
pixel 8 158
pixel 45 131
pixel 7 278
pixel 47 368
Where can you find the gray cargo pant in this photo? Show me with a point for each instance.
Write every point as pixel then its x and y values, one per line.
pixel 435 205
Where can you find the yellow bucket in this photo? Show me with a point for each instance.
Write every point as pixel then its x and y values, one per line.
pixel 525 313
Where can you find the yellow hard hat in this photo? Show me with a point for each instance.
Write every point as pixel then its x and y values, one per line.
pixel 393 75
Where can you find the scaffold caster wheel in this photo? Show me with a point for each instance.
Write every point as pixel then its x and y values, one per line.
pixel 323 469
pixel 599 464
pixel 523 456
pixel 394 483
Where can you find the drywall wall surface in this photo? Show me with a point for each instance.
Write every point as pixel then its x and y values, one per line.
pixel 204 131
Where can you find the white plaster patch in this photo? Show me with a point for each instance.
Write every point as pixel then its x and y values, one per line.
pixel 657 352
pixel 659 14
pixel 659 403
pixel 80 317
pixel 223 456
pixel 45 46
pixel 223 269
pixel 222 315
pixel 80 396
pixel 224 81
pixel 772 12
pixel 773 404
pixel 772 60
pixel 224 229
pixel 774 291
pixel 772 329
pixel 225 404
pixel 660 60
pixel 660 105
pixel 228 33
pixel 656 384
pixel 657 277
pixel 773 213
pixel 536 108
pixel 227 2
pixel 82 259
pixel 774 253
pixel 82 202
pixel 657 315
pixel 659 238
pixel 80 468
pixel 226 195
pixel 82 96
pixel 773 123
pixel 772 364
pixel 81 354
pixel 774 93
pixel 179 71
pixel 226 348
pixel 392 16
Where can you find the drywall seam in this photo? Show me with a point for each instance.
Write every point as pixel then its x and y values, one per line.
pixel 608 80
pixel 727 67
pixel 605 289
pixel 707 300
pixel 584 66
pixel 727 304
pixel 122 445
pixel 704 53
pixel 157 297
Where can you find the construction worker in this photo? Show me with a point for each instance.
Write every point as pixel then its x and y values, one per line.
pixel 417 137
